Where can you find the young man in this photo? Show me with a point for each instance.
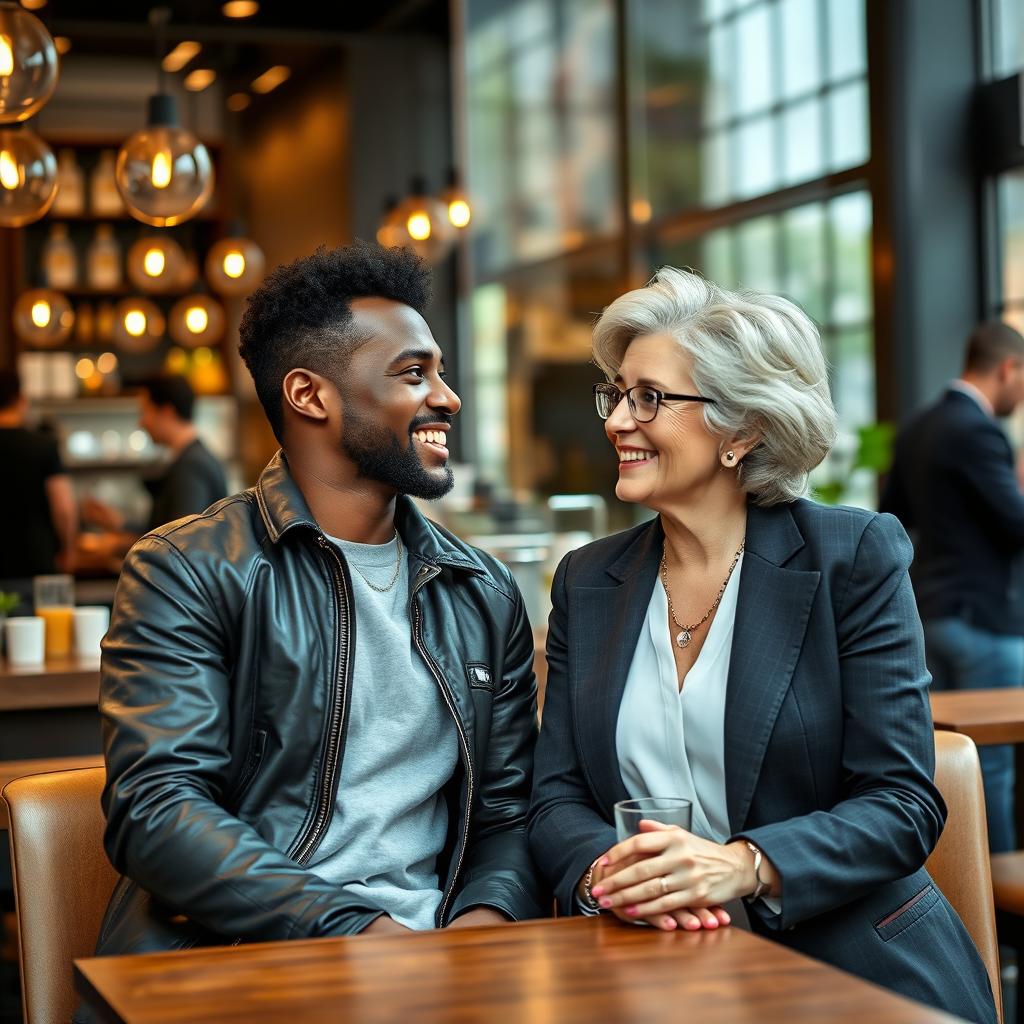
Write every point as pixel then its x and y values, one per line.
pixel 319 707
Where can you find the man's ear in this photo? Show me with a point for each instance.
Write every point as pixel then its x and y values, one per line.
pixel 309 394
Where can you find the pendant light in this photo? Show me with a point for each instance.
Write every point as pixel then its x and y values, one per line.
pixel 28 176
pixel 138 325
pixel 43 318
pixel 425 220
pixel 234 265
pixel 163 172
pixel 156 264
pixel 28 64
pixel 454 197
pixel 197 320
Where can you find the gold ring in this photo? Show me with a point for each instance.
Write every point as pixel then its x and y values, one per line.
pixel 664 885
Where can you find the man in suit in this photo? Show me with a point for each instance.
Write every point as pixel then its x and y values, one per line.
pixel 954 488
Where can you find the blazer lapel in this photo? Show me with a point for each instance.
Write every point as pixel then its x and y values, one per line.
pixel 605 630
pixel 773 607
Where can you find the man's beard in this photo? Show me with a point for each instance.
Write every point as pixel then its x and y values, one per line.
pixel 379 455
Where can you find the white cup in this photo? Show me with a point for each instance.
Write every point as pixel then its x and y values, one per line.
pixel 91 622
pixel 25 640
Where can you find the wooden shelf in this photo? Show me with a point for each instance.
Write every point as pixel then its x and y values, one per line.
pixel 111 466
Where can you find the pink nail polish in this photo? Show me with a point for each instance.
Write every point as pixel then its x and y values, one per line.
pixel 598 890
pixel 631 911
pixel 605 862
pixel 605 902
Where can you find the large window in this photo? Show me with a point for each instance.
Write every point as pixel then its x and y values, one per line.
pixel 745 127
pixel 736 100
pixel 540 77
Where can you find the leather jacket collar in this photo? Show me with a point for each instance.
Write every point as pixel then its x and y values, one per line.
pixel 283 507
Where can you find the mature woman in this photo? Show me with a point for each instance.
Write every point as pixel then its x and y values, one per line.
pixel 749 650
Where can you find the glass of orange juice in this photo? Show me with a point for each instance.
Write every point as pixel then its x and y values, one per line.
pixel 54 601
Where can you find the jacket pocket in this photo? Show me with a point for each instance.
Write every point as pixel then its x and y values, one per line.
pixel 252 763
pixel 908 913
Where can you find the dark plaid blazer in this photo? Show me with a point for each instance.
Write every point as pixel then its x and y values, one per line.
pixel 829 752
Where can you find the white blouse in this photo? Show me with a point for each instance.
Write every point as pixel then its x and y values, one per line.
pixel 672 742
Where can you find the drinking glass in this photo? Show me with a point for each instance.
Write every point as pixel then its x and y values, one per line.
pixel 54 601
pixel 666 810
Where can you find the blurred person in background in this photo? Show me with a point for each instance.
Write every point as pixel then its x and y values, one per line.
pixel 38 518
pixel 191 481
pixel 953 485
pixel 749 650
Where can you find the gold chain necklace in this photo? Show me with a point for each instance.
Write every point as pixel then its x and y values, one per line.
pixel 394 579
pixel 685 634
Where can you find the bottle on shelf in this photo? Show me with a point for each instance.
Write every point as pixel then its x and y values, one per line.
pixel 60 261
pixel 104 326
pixel 103 260
pixel 104 199
pixel 70 199
pixel 85 324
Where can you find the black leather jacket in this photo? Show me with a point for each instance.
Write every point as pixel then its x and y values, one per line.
pixel 226 674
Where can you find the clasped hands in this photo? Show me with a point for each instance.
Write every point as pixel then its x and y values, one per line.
pixel 672 879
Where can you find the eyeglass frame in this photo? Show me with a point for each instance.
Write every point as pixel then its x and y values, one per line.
pixel 602 389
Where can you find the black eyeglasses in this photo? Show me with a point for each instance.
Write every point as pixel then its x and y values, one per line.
pixel 643 400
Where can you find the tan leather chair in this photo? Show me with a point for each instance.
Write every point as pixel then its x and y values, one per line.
pixel 1008 893
pixel 959 864
pixel 62 881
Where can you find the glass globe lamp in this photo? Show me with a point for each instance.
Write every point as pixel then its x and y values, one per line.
pixel 454 197
pixel 28 177
pixel 138 325
pixel 163 172
pixel 234 266
pixel 28 64
pixel 155 264
pixel 197 320
pixel 425 221
pixel 43 318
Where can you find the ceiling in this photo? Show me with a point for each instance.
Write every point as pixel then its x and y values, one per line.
pixel 282 32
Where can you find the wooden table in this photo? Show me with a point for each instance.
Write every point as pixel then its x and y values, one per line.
pixel 72 682
pixel 987 716
pixel 556 972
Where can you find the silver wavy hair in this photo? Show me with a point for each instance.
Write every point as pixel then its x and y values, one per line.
pixel 757 355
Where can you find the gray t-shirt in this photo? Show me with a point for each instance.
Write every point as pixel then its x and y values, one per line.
pixel 401 748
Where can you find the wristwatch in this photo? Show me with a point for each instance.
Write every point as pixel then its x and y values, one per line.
pixel 762 886
pixel 588 897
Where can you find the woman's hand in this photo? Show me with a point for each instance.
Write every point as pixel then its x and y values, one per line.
pixel 689 918
pixel 666 870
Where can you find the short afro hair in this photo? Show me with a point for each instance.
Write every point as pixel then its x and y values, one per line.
pixel 301 315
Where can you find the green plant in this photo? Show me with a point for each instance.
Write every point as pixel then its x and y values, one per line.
pixel 874 452
pixel 8 602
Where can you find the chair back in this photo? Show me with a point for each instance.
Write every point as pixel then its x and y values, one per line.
pixel 62 882
pixel 959 864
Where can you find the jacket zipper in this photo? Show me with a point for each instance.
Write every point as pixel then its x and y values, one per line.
pixel 305 844
pixel 425 575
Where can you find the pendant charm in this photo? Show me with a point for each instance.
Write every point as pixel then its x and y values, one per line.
pixel 683 638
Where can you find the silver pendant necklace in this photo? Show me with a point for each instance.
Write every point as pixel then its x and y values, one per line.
pixel 685 634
